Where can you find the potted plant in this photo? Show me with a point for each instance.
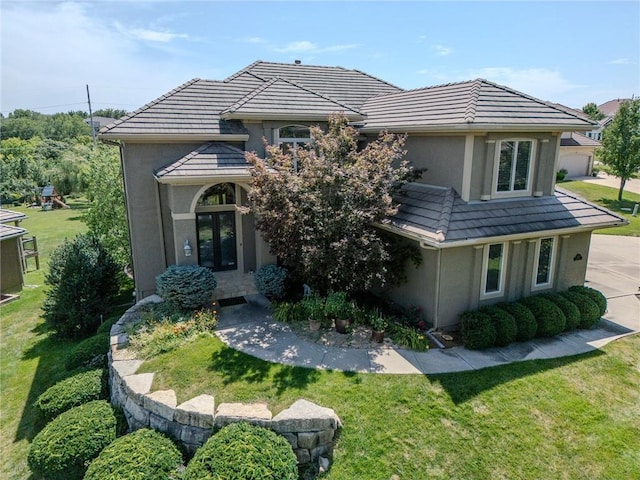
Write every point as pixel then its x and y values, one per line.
pixel 313 308
pixel 338 308
pixel 378 326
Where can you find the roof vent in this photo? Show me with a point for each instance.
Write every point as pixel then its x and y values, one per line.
pixel 297 62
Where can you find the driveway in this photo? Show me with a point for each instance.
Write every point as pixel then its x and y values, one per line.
pixel 606 180
pixel 614 269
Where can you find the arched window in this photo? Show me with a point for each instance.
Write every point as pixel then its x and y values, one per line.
pixel 220 194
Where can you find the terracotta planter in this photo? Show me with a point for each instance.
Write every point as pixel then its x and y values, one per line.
pixel 342 324
pixel 377 337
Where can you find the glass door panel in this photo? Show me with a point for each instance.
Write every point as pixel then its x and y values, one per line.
pixel 217 240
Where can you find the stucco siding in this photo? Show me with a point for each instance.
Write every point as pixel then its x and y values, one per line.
pixel 459 286
pixel 572 261
pixel 442 156
pixel 11 273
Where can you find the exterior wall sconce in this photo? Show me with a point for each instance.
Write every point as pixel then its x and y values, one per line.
pixel 577 258
pixel 187 248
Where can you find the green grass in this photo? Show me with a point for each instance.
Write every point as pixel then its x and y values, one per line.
pixel 570 418
pixel 30 359
pixel 608 197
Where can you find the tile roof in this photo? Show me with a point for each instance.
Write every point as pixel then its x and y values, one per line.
pixel 577 139
pixel 611 107
pixel 476 104
pixel 281 98
pixel 7 216
pixel 439 216
pixel 193 109
pixel 8 231
pixel 210 159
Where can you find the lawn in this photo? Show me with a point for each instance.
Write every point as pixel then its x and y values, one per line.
pixel 30 360
pixel 608 197
pixel 571 418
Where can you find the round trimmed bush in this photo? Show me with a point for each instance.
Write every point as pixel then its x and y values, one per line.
pixel 478 330
pixel 550 319
pixel 571 312
pixel 88 352
pixel 65 446
pixel 76 390
pixel 186 287
pixel 142 455
pixel 595 295
pixel 589 311
pixel 105 327
pixel 504 323
pixel 526 325
pixel 241 452
pixel 271 281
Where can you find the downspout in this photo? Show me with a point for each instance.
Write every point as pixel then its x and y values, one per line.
pixel 437 289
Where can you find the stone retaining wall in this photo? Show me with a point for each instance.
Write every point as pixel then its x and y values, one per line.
pixel 309 428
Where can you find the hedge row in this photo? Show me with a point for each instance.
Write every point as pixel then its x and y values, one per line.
pixel 544 315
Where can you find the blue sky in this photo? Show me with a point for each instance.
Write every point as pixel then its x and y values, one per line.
pixel 131 52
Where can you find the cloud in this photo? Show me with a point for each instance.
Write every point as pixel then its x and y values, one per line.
pixel 254 40
pixel 622 61
pixel 540 82
pixel 441 50
pixel 150 35
pixel 305 46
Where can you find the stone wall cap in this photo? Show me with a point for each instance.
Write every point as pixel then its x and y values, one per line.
pixel 254 413
pixel 139 384
pixel 304 415
pixel 198 411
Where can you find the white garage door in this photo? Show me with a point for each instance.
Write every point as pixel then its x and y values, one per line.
pixel 575 164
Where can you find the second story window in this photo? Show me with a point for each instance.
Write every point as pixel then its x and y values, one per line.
pixel 292 137
pixel 514 166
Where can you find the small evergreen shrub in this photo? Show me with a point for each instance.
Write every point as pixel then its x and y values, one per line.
pixel 105 327
pixel 242 452
pixel 142 455
pixel 187 287
pixel 65 446
pixel 571 312
pixel 589 311
pixel 550 319
pixel 595 295
pixel 76 390
pixel 478 330
pixel 91 351
pixel 504 324
pixel 271 281
pixel 526 325
pixel 83 280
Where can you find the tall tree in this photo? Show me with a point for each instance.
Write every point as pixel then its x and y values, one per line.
pixel 318 212
pixel 620 149
pixel 593 112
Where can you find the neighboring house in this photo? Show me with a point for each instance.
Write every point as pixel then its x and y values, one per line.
pixel 609 109
pixel 98 122
pixel 11 274
pixel 577 154
pixel 486 216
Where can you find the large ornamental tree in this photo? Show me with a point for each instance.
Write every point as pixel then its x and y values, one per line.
pixel 620 150
pixel 318 206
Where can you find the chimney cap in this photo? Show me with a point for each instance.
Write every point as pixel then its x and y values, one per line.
pixel 297 62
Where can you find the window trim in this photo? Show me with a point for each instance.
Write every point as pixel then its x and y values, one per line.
pixel 295 141
pixel 485 267
pixel 552 264
pixel 496 169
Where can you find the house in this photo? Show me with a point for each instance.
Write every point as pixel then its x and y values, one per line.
pixel 577 154
pixel 488 220
pixel 11 273
pixel 97 122
pixel 609 109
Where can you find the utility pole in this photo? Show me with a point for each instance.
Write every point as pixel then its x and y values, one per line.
pixel 93 130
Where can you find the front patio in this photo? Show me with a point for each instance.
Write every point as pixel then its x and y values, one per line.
pixel 233 284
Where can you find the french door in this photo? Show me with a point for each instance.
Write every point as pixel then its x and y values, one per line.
pixel 217 240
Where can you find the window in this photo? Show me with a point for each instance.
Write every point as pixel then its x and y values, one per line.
pixel 220 194
pixel 292 137
pixel 493 281
pixel 545 253
pixel 514 166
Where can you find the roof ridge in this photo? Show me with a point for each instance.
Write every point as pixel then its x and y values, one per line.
pixel 377 78
pixel 472 105
pixel 146 106
pixel 245 69
pixel 252 94
pixel 445 215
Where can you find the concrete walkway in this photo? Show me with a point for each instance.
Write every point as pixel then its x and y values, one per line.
pixel 614 269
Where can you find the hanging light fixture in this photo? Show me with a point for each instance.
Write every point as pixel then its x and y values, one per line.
pixel 187 248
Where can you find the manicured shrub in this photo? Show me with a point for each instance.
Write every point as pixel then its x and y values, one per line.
pixel 91 351
pixel 478 330
pixel 241 452
pixel 549 317
pixel 65 446
pixel 271 281
pixel 526 325
pixel 504 323
pixel 571 312
pixel 595 295
pixel 105 327
pixel 187 287
pixel 76 390
pixel 83 280
pixel 142 455
pixel 589 311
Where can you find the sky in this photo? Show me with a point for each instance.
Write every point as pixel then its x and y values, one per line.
pixel 132 52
